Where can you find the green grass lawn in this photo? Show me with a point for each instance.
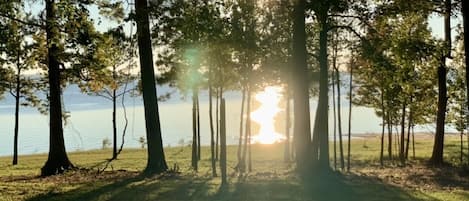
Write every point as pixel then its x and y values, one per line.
pixel 271 179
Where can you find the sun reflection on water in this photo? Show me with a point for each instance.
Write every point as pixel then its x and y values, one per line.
pixel 269 100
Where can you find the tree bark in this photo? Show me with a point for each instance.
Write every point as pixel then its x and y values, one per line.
pixel 194 130
pixel 212 140
pixel 339 120
pixel 301 127
pixel 224 180
pixel 409 126
pixel 388 116
pixel 240 140
pixel 217 123
pixel 323 96
pixel 199 143
pixel 156 162
pixel 350 115
pixel 402 138
pixel 242 165
pixel 383 109
pixel 17 114
pixel 114 123
pixel 286 156
pixel 57 161
pixel 334 121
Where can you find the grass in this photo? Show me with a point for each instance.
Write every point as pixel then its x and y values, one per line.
pixel 271 178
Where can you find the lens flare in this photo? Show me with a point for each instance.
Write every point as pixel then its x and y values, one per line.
pixel 265 116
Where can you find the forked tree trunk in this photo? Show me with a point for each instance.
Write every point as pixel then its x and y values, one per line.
pixel 156 162
pixel 57 160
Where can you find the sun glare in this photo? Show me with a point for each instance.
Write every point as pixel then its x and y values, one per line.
pixel 265 116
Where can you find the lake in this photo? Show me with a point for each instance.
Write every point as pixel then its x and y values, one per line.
pixel 91 121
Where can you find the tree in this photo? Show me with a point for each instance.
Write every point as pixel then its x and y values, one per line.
pixel 437 153
pixel 57 160
pixel 300 86
pixel 111 73
pixel 156 162
pixel 18 59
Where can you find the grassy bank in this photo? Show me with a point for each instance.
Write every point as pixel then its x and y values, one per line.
pixel 271 178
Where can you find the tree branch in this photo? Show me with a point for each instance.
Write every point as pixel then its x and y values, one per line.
pixel 21 21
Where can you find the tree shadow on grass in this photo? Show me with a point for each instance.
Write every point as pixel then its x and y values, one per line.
pixel 333 187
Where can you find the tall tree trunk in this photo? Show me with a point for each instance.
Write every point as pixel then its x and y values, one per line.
pixel 242 165
pixel 383 109
pixel 240 140
pixel 462 132
pixel 388 116
pixel 114 123
pixel 224 180
pixel 350 115
pixel 323 96
pixel 199 143
pixel 156 162
pixel 210 113
pixel 413 143
pixel 339 120
pixel 437 154
pixel 286 157
pixel 17 114
pixel 409 126
pixel 194 130
pixel 217 123
pixel 402 138
pixel 57 161
pixel 334 121
pixel 301 127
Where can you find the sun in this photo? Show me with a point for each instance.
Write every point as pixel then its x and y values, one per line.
pixel 265 116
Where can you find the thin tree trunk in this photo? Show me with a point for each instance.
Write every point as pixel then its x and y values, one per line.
pixel 17 114
pixel 408 130
pixel 381 156
pixel 156 162
pixel 194 130
pixel 199 143
pixel 339 119
pixel 224 180
pixel 402 138
pixel 114 121
pixel 388 116
pixel 286 157
pixel 217 123
pixel 57 160
pixel 462 131
pixel 334 121
pixel 350 116
pixel 249 137
pixel 247 131
pixel 413 142
pixel 240 140
pixel 210 112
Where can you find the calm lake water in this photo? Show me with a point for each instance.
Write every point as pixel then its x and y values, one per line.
pixel 91 122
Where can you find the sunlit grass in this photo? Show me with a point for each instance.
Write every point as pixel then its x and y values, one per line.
pixel 271 178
